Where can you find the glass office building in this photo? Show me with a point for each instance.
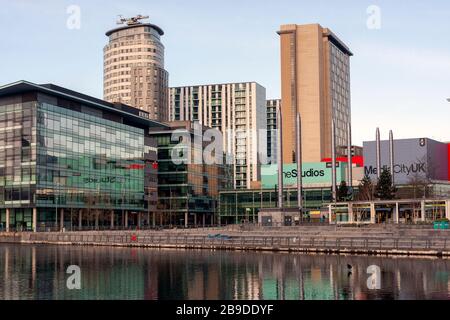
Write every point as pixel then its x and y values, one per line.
pixel 240 206
pixel 71 161
pixel 89 161
pixel 188 190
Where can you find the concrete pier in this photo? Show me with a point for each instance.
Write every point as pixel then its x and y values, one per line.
pixel 80 219
pixel 396 213
pixel 34 220
pixel 61 219
pixel 7 220
pixel 448 209
pixel 422 211
pixel 112 219
pixel 351 216
pixel 372 213
pixel 96 219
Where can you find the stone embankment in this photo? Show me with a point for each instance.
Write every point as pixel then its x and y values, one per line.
pixel 377 240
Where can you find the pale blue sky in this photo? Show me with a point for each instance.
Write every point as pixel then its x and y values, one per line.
pixel 400 74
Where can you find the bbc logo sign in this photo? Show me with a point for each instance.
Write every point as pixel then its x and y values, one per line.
pixel 330 164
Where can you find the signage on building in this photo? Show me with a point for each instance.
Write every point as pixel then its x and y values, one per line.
pixel 313 173
pixel 414 159
pixel 330 164
pixel 408 169
pixel 100 180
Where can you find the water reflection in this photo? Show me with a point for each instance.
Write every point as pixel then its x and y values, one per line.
pixel 39 272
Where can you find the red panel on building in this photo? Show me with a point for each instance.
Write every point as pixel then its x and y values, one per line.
pixel 448 161
pixel 358 160
pixel 136 167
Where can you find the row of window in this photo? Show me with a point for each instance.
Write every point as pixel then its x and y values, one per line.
pixel 138 63
pixel 133 57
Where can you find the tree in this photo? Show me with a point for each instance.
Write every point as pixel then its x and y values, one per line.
pixel 342 192
pixel 384 189
pixel 419 182
pixel 417 186
pixel 365 189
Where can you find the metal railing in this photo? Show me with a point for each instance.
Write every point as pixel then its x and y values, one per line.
pixel 68 228
pixel 250 242
pixel 245 226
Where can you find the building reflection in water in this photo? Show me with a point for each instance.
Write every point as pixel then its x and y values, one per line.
pixel 39 272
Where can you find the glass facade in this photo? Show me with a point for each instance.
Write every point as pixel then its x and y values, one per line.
pixel 55 159
pixel 340 92
pixel 272 106
pixel 187 192
pixel 84 160
pixel 238 206
pixel 17 162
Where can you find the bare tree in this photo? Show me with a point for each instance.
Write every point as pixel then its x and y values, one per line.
pixel 419 182
pixel 365 190
pixel 417 186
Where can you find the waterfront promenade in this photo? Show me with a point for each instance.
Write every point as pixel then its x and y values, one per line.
pixel 377 240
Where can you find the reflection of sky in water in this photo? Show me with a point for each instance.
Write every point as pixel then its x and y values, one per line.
pixel 38 272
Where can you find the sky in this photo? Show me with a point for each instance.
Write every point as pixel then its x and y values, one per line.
pixel 400 71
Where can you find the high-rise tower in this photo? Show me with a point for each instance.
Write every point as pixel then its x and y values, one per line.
pixel 238 110
pixel 133 67
pixel 315 81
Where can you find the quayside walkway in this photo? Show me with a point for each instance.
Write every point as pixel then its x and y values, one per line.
pixel 320 239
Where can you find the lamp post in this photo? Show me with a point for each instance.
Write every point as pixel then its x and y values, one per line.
pixel 391 155
pixel 148 206
pixel 349 157
pixel 298 153
pixel 333 162
pixel 280 158
pixel 261 205
pixel 378 152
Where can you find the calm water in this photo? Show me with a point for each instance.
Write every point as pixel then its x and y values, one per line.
pixel 39 272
